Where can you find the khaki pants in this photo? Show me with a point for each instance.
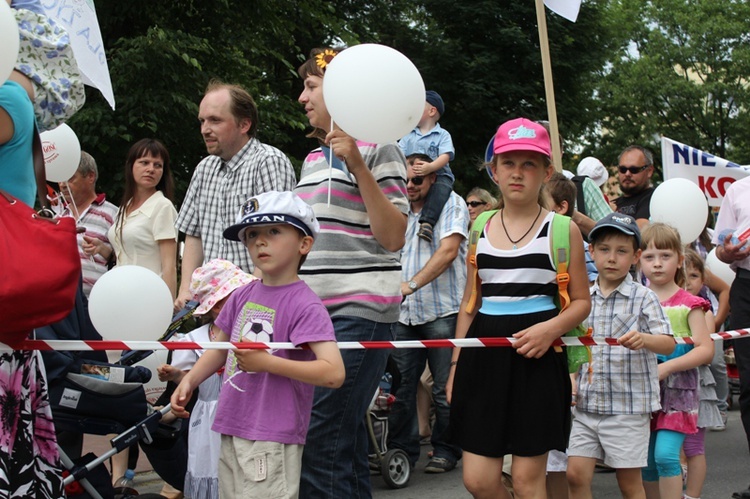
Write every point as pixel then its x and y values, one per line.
pixel 257 469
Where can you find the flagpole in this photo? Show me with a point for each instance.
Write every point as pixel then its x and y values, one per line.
pixel 549 89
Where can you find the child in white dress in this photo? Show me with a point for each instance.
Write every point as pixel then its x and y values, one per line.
pixel 210 285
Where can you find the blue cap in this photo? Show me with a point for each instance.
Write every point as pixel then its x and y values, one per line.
pixel 434 99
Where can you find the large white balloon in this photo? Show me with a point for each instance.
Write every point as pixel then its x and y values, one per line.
pixel 681 204
pixel 374 93
pixel 718 268
pixel 8 41
pixel 62 153
pixel 130 303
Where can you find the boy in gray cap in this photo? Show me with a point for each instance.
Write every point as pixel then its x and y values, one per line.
pixel 430 139
pixel 618 388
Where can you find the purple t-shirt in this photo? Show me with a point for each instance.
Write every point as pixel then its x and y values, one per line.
pixel 263 406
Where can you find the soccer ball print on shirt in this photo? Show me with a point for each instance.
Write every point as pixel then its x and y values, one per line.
pixel 255 323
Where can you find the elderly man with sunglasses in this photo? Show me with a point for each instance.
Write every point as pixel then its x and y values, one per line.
pixel 635 168
pixel 433 273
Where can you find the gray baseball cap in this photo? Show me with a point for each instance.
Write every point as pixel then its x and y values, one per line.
pixel 621 222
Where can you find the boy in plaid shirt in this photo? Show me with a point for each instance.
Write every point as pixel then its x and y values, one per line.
pixel 619 389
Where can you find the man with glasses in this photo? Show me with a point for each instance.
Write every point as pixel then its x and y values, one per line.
pixel 432 273
pixel 635 168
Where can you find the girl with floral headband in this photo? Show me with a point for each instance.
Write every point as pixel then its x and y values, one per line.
pixel 354 268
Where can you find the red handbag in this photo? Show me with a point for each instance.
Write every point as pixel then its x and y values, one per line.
pixel 39 263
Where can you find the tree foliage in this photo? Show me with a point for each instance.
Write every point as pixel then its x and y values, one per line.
pixel 482 56
pixel 681 71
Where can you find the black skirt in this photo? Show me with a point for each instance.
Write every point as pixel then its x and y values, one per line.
pixel 504 403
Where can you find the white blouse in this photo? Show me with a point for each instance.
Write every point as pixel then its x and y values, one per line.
pixel 142 230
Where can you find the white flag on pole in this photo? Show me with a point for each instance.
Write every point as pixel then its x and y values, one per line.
pixel 78 17
pixel 566 8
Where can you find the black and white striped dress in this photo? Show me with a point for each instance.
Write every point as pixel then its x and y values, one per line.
pixel 502 402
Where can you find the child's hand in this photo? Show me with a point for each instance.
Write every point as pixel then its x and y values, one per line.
pixel 252 360
pixel 167 372
pixel 533 342
pixel 180 399
pixel 631 340
pixel 419 167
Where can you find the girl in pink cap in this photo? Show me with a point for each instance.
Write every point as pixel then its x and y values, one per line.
pixel 211 286
pixel 515 400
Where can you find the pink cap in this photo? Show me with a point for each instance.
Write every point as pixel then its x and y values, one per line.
pixel 521 134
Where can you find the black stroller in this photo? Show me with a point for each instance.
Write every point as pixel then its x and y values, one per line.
pixel 88 396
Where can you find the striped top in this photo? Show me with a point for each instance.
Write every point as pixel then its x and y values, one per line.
pixel 97 219
pixel 347 268
pixel 511 276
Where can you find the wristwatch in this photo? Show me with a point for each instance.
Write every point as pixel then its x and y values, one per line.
pixel 413 285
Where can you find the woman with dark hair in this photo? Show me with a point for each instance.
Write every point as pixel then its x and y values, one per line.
pixel 144 233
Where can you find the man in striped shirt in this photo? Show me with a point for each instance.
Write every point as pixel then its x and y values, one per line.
pixel 92 212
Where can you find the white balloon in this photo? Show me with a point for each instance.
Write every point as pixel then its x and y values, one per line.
pixel 62 153
pixel 718 268
pixel 130 303
pixel 8 41
pixel 681 204
pixel 374 93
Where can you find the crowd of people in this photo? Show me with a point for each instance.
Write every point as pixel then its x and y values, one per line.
pixel 372 243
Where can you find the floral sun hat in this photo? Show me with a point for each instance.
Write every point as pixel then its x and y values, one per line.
pixel 214 281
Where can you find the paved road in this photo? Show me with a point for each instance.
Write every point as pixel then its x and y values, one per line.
pixel 726 452
pixel 728 471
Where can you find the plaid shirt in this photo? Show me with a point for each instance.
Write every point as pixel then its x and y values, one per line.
pixel 218 190
pixel 442 296
pixel 623 381
pixel 596 205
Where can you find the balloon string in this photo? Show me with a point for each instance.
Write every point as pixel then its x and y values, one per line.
pixel 75 211
pixel 330 167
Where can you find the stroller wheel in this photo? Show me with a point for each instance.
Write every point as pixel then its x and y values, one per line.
pixel 396 469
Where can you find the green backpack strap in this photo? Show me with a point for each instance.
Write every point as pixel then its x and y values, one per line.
pixel 474 234
pixel 561 256
pixel 580 354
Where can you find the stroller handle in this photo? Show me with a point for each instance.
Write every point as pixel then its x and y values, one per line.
pixel 135 356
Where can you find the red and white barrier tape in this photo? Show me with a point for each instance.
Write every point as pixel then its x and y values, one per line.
pixel 77 345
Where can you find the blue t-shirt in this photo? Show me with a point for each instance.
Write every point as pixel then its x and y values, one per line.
pixel 434 143
pixel 16 157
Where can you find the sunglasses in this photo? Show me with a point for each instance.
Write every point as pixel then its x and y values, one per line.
pixel 632 169
pixel 415 180
pixel 475 204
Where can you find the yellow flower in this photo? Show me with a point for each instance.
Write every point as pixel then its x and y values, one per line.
pixel 324 58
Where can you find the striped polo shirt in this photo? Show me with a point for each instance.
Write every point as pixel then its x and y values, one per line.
pixel 347 268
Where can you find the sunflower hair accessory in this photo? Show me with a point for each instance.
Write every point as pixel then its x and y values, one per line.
pixel 324 58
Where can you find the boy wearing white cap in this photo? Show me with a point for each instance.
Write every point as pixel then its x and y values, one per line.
pixel 265 403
